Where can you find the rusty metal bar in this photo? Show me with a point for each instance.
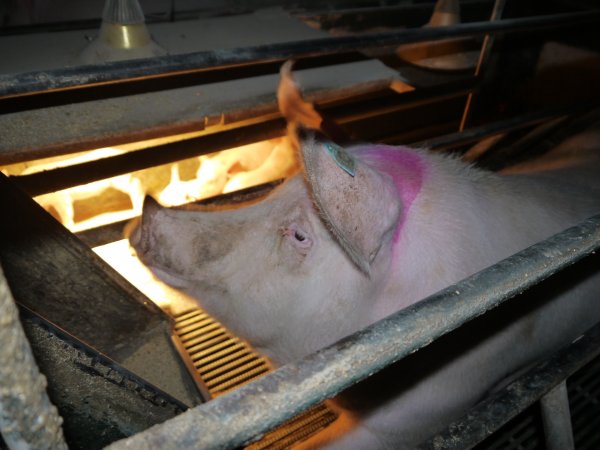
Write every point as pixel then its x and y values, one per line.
pixel 556 418
pixel 236 418
pixel 27 418
pixel 142 69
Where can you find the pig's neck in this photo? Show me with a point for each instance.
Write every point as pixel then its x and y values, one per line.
pixel 434 244
pixel 407 169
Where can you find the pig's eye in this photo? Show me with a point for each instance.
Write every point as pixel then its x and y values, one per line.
pixel 299 236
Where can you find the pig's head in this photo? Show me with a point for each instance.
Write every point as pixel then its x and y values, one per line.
pixel 295 271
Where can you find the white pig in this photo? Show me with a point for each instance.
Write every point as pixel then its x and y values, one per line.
pixel 366 231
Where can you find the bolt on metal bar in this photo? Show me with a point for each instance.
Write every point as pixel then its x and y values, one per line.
pixel 544 381
pixel 234 419
pixel 67 78
pixel 27 418
pixel 556 418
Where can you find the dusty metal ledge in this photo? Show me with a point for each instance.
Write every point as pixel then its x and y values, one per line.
pixel 237 417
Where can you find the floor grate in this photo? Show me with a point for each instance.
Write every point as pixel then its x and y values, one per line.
pixel 223 362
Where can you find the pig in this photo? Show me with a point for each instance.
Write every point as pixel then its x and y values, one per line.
pixel 362 232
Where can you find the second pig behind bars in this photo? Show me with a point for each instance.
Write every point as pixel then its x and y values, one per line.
pixel 363 232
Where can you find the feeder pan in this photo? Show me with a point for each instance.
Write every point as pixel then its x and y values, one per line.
pixel 446 54
pixel 123 35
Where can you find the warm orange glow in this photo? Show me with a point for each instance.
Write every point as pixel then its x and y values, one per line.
pixel 121 198
pixel 231 170
pixel 122 258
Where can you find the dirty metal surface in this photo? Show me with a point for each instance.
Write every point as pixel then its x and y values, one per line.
pixel 112 121
pixel 498 409
pixel 525 432
pixel 27 417
pixel 98 400
pixel 31 82
pixel 54 274
pixel 368 119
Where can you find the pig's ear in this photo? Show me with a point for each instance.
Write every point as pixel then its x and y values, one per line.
pixel 298 113
pixel 360 204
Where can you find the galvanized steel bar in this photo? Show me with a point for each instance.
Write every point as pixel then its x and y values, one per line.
pixel 234 419
pixel 27 418
pixel 495 411
pixel 59 79
pixel 556 418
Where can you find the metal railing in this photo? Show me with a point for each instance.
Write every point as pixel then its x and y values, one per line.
pixel 113 72
pixel 237 417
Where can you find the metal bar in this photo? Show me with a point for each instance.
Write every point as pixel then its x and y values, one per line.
pixel 235 418
pixel 67 78
pixel 61 178
pixel 27 418
pixel 496 410
pixel 394 15
pixel 515 123
pixel 556 418
pixel 484 56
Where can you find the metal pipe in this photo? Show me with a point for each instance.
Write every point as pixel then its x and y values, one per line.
pixel 484 56
pixel 502 126
pixel 541 381
pixel 27 418
pixel 556 419
pixel 237 417
pixel 77 174
pixel 67 78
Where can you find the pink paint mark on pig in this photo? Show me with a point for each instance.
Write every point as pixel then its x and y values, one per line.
pixel 406 168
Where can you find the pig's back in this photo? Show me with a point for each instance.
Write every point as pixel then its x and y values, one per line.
pixel 561 198
pixel 466 219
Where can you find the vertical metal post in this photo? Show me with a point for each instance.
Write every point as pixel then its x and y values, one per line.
pixel 556 419
pixel 27 418
pixel 484 54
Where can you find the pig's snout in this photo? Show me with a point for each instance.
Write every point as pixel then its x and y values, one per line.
pixel 141 237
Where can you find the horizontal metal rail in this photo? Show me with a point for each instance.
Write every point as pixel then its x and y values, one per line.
pixel 496 410
pixel 74 175
pixel 112 72
pixel 237 417
pixel 69 176
pixel 474 134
